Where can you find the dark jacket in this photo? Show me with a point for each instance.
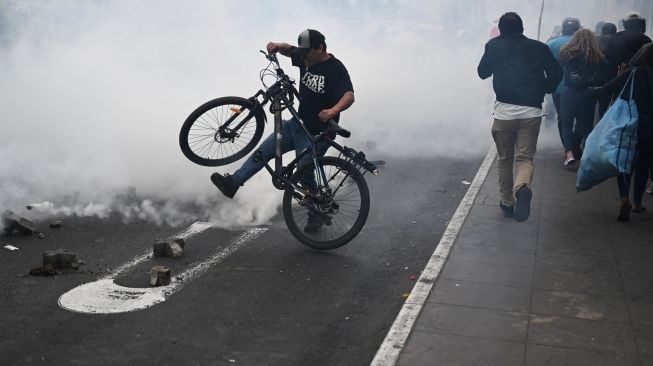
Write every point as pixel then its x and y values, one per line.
pixel 624 45
pixel 524 69
pixel 580 74
pixel 607 70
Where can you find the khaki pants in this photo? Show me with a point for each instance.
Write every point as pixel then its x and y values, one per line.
pixel 516 141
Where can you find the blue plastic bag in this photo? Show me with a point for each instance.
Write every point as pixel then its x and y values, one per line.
pixel 610 147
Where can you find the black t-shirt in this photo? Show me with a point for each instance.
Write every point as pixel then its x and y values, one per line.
pixel 321 87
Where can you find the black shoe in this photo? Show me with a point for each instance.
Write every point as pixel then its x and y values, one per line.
pixel 624 212
pixel 508 211
pixel 313 224
pixel 523 204
pixel 225 184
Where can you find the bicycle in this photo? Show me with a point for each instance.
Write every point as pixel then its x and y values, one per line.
pixel 331 189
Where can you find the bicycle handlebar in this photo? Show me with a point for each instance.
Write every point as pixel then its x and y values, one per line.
pixel 335 128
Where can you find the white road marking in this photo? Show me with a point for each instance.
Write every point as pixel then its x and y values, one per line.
pixel 395 340
pixel 105 297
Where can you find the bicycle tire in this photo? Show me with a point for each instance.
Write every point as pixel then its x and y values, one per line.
pixel 352 198
pixel 199 140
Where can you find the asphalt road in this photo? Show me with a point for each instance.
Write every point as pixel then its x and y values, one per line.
pixel 271 302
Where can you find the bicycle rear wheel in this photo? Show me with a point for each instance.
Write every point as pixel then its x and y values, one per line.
pixel 206 140
pixel 340 207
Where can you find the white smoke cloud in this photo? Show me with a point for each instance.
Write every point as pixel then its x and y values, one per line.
pixel 93 93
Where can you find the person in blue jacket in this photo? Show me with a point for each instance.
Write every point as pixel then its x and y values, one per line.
pixel 569 26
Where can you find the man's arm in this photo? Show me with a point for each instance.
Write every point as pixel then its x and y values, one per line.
pixel 345 102
pixel 553 71
pixel 283 48
pixel 484 67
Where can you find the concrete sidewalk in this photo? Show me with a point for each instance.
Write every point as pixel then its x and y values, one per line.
pixel 570 286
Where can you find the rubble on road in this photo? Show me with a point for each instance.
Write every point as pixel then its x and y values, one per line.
pixel 43 271
pixel 159 276
pixel 57 261
pixel 173 247
pixel 61 259
pixel 12 222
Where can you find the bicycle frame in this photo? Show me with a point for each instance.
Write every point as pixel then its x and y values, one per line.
pixel 282 94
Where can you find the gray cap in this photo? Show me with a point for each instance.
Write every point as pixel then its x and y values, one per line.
pixel 309 38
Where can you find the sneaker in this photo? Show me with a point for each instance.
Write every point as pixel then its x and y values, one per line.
pixel 570 159
pixel 508 211
pixel 313 224
pixel 523 204
pixel 225 184
pixel 639 209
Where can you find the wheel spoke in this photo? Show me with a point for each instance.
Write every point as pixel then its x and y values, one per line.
pixel 346 184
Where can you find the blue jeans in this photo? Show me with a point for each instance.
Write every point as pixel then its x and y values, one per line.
pixel 578 106
pixel 293 137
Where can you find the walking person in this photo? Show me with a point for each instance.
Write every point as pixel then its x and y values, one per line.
pixel 581 60
pixel 608 70
pixel 523 71
pixel 325 90
pixel 623 45
pixel 569 27
pixel 643 95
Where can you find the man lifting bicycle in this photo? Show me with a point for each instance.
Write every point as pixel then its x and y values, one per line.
pixel 325 90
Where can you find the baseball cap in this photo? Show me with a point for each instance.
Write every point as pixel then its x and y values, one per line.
pixel 307 39
pixel 570 25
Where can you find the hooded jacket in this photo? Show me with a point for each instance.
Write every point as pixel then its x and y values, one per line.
pixel 524 69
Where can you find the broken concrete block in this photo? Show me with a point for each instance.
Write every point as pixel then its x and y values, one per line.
pixel 175 251
pixel 12 222
pixel 43 271
pixel 179 241
pixel 159 276
pixel 9 221
pixel 60 258
pixel 173 248
pixel 56 223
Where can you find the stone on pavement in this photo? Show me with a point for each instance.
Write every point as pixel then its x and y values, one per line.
pixel 173 248
pixel 60 259
pixel 159 276
pixel 12 222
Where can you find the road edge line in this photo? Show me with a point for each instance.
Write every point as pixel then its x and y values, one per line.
pixel 394 342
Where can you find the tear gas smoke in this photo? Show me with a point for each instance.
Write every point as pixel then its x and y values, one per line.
pixel 93 94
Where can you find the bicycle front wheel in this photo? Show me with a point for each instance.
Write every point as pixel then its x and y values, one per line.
pixel 221 131
pixel 338 210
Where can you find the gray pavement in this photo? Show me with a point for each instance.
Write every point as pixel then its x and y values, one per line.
pixel 570 286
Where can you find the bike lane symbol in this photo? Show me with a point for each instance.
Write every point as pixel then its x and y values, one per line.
pixel 106 297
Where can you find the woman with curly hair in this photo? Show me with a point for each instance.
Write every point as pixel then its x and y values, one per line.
pixel 580 59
